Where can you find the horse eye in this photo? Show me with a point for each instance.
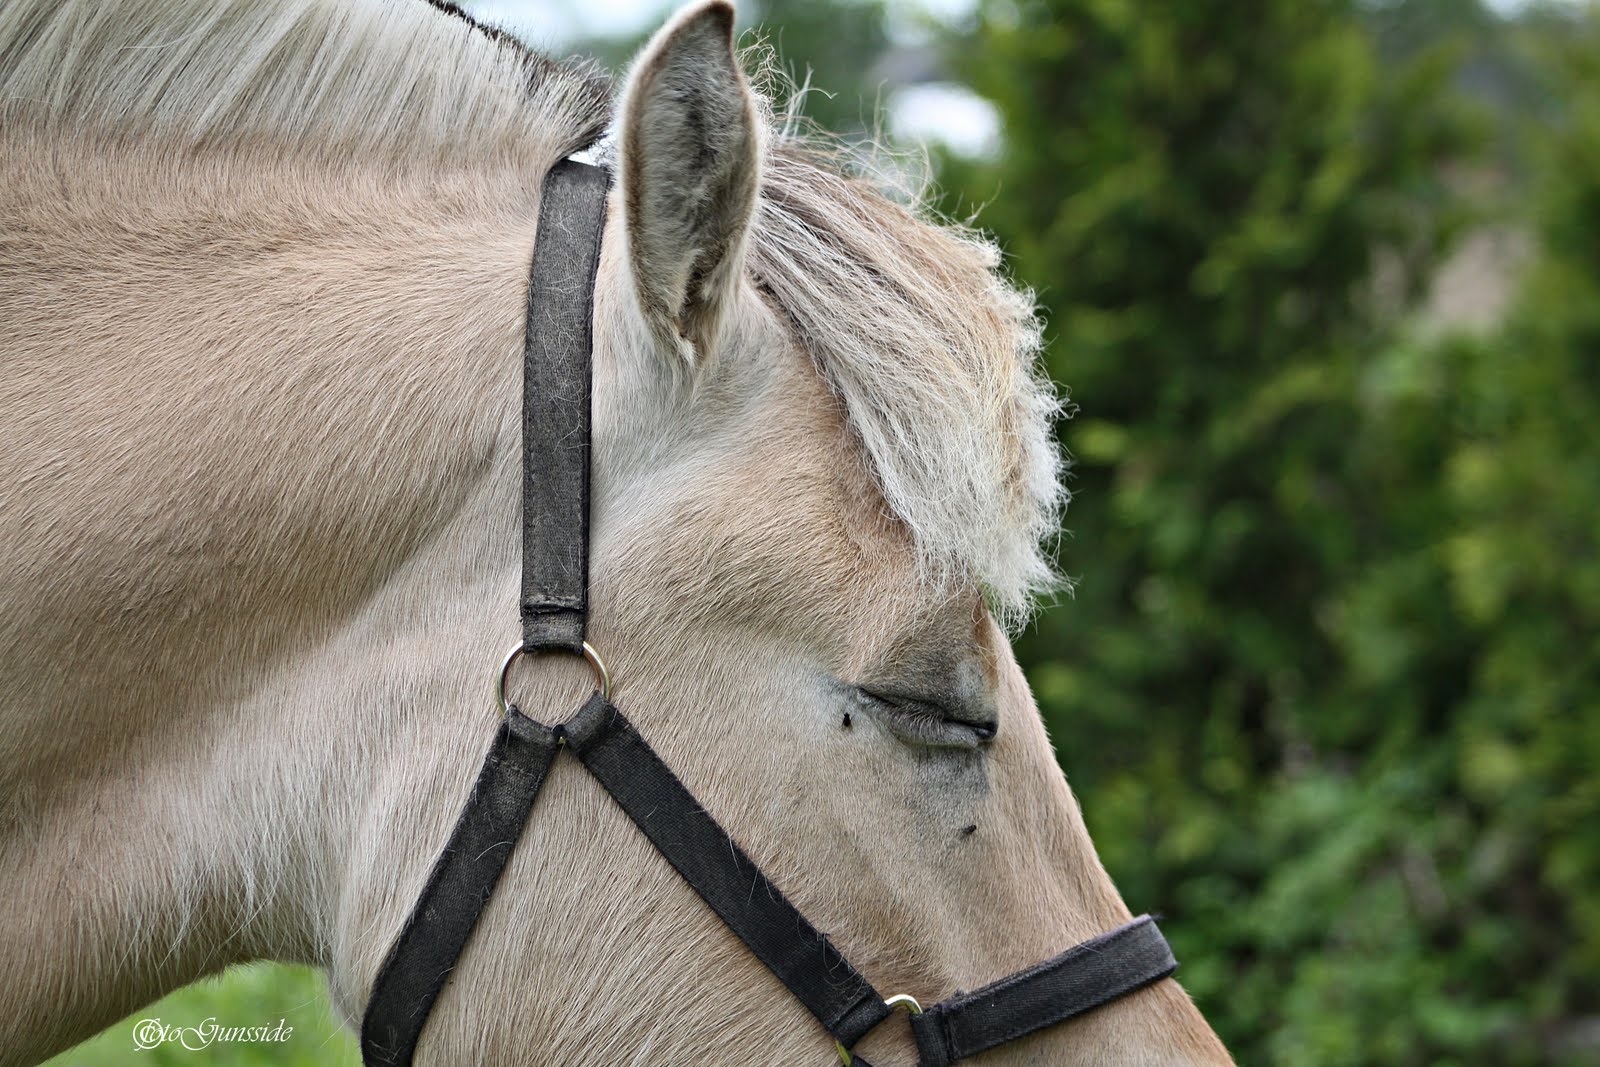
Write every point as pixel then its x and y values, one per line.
pixel 926 722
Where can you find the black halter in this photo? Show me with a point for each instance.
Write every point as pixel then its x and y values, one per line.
pixel 554 610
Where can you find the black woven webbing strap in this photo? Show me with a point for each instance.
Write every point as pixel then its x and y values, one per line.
pixel 1077 981
pixel 555 407
pixel 462 880
pixel 726 879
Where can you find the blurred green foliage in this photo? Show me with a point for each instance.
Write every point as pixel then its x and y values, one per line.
pixel 1329 688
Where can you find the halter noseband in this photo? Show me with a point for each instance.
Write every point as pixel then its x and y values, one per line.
pixel 555 581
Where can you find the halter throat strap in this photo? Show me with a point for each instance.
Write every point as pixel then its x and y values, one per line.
pixel 554 610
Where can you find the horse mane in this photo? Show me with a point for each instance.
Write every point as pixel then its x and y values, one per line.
pixel 399 82
pixel 929 349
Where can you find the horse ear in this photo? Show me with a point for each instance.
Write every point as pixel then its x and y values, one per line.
pixel 690 167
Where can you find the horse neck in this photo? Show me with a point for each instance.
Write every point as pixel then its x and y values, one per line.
pixel 257 423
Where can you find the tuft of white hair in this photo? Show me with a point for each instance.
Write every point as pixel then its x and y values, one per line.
pixel 935 357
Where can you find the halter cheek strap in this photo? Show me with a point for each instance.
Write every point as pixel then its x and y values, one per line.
pixel 554 611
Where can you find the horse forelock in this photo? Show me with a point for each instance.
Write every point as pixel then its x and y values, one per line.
pixel 933 355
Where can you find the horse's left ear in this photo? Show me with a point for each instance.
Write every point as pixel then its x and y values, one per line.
pixel 690 170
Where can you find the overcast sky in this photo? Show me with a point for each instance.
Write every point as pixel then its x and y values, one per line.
pixel 948 113
pixel 554 21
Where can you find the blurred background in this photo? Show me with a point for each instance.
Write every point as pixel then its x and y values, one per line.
pixel 1322 279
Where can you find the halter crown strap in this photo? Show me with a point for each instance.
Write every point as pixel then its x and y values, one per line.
pixel 555 408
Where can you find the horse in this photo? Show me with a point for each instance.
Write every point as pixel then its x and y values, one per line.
pixel 262 277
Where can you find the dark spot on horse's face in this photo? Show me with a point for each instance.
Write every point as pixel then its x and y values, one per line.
pixel 968 831
pixel 846 723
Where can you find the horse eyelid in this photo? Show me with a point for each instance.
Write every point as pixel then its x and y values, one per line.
pixel 927 722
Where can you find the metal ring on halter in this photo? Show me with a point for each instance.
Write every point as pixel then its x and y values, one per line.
pixel 602 676
pixel 899 1000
